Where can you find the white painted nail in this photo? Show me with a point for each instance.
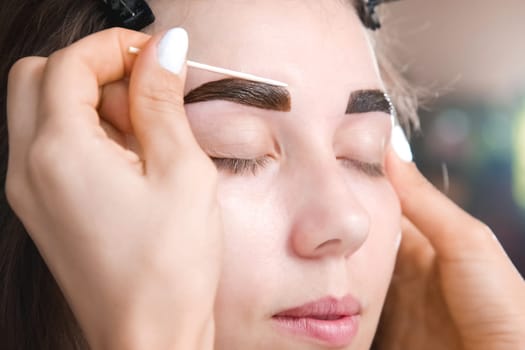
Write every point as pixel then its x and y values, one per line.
pixel 172 50
pixel 400 144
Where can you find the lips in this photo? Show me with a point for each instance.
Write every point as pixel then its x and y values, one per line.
pixel 329 321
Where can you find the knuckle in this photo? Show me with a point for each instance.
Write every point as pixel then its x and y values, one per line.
pixel 23 93
pixel 115 34
pixel 42 156
pixel 482 230
pixel 479 237
pixel 19 68
pixel 14 187
pixel 25 70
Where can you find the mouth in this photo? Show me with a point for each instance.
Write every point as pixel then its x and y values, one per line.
pixel 329 321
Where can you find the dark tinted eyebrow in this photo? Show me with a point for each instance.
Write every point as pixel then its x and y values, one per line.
pixel 363 101
pixel 245 92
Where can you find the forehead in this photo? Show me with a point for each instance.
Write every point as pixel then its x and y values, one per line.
pixel 305 42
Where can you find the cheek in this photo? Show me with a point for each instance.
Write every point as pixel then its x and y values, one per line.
pixel 255 257
pixel 383 207
pixel 253 242
pixel 373 264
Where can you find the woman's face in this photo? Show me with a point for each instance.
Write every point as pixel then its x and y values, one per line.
pixel 311 218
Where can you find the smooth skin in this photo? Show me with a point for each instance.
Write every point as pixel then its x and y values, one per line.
pixel 310 223
pixel 130 297
pixel 454 287
pixel 104 220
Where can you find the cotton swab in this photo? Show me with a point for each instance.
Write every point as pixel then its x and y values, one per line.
pixel 228 72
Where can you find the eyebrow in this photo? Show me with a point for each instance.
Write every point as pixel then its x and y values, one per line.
pixel 245 92
pixel 266 96
pixel 364 101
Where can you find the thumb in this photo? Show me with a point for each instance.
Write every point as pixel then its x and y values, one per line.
pixel 157 104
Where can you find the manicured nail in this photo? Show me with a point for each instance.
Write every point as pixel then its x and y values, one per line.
pixel 400 144
pixel 172 50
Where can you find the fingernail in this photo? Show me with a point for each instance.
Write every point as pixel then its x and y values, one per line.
pixel 172 50
pixel 400 144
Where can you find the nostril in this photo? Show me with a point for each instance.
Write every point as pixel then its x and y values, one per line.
pixel 331 242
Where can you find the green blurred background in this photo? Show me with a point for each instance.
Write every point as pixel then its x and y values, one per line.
pixel 470 57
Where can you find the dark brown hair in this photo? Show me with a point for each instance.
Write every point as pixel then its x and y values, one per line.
pixel 33 311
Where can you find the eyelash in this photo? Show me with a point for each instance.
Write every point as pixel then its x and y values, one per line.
pixel 369 169
pixel 238 166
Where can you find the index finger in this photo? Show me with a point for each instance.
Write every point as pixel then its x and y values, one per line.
pixel 454 234
pixel 74 74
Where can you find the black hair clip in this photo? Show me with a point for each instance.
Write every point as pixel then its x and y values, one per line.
pixel 131 14
pixel 367 12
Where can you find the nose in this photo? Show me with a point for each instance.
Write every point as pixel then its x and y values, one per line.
pixel 328 218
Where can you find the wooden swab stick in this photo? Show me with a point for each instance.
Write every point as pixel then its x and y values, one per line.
pixel 228 72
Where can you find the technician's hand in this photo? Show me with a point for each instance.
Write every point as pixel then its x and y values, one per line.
pixel 454 287
pixel 133 239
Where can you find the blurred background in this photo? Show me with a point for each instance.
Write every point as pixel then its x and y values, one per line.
pixel 470 56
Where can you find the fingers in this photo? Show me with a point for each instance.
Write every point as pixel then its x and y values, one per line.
pixel 453 233
pixel 87 81
pixel 22 95
pixel 157 104
pixel 414 244
pixel 477 278
pixel 114 106
pixel 69 139
pixel 74 74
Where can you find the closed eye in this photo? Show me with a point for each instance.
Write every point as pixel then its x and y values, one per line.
pixel 369 169
pixel 242 166
pixel 239 166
